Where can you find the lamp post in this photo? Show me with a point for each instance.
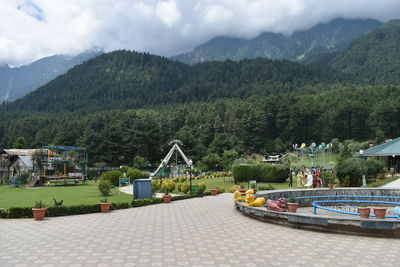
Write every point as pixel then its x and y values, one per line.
pixel 364 181
pixel 190 176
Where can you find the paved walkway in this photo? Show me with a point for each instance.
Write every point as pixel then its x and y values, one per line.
pixel 394 184
pixel 195 232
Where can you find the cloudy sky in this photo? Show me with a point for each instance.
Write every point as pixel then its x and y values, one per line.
pixel 31 29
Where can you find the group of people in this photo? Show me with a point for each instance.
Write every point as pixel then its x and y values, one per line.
pixel 306 178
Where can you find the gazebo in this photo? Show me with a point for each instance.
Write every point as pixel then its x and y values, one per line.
pixel 388 152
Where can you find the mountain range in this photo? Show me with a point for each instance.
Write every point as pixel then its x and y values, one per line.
pixel 123 103
pixel 18 81
pixel 299 46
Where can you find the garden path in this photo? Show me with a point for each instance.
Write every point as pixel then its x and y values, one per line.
pixel 204 231
pixel 394 184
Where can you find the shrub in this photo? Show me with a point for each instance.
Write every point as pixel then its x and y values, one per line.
pixel 233 188
pixel 328 178
pixel 266 187
pixel 19 213
pixel 373 167
pixel 155 185
pixel 111 176
pixel 220 190
pixel 202 187
pixel 145 202
pixel 351 168
pixel 168 186
pixel 243 185
pixel 136 174
pixel 104 187
pixel 40 205
pixel 260 173
pixel 185 188
pixel 346 181
pixel 178 187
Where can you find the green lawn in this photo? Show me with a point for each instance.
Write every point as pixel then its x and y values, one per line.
pixel 88 194
pixel 72 195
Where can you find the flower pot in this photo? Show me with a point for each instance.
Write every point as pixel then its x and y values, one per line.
pixel 38 213
pixel 214 191
pixel 380 213
pixel 242 192
pixel 166 198
pixel 292 207
pixel 364 212
pixel 330 186
pixel 105 206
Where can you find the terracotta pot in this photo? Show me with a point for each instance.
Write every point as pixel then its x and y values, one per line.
pixel 292 207
pixel 330 186
pixel 380 213
pixel 166 198
pixel 38 213
pixel 364 212
pixel 105 206
pixel 214 191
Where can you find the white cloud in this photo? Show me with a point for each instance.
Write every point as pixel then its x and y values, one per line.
pixel 30 29
pixel 168 12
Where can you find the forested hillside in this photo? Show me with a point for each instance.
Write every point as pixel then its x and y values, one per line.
pixel 372 59
pixel 124 79
pixel 257 124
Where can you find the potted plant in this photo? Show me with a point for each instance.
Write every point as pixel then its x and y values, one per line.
pixel 39 210
pixel 105 205
pixel 292 204
pixel 166 196
pixel 380 213
pixel 364 211
pixel 168 186
pixel 329 178
pixel 214 191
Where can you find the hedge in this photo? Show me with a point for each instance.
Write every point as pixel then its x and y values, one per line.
pixel 26 212
pixel 260 172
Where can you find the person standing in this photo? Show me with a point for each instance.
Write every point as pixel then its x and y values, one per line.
pixel 290 179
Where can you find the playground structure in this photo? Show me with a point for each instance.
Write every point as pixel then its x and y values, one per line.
pixel 175 148
pixel 61 165
pixel 312 150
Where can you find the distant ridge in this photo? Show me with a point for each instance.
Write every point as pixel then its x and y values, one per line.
pixel 19 81
pixel 301 45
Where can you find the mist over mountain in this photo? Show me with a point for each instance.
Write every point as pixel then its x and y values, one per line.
pixel 19 81
pixel 299 46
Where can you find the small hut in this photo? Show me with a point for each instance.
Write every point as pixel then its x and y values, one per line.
pixel 388 152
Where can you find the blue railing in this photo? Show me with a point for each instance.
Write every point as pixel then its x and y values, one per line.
pixel 316 205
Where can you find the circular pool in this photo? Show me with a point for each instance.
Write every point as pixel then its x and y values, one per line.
pixel 333 210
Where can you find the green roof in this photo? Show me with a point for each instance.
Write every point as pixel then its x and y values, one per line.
pixel 386 149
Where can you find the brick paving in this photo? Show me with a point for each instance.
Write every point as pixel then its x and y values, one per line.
pixel 195 232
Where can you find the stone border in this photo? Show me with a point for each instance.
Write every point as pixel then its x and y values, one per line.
pixel 336 224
